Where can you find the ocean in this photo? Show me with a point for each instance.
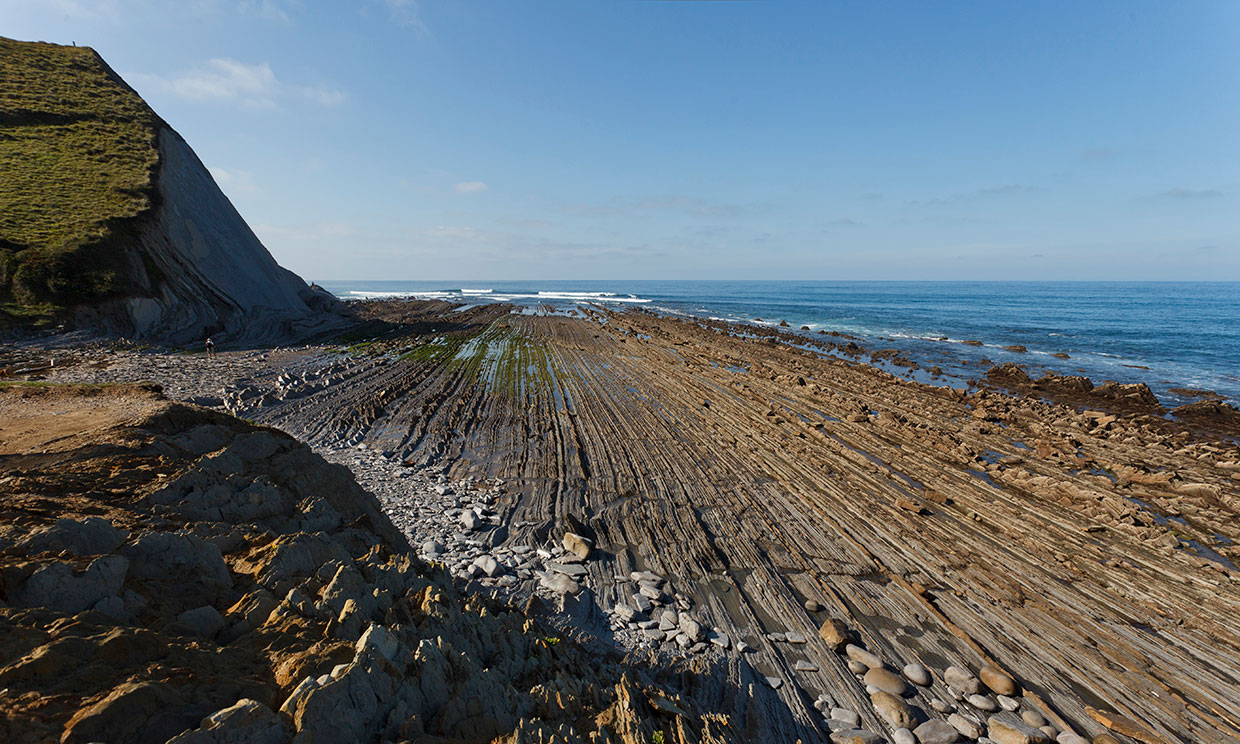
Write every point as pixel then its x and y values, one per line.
pixel 1165 334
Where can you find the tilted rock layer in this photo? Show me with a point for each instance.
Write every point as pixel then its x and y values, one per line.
pixel 110 222
pixel 172 574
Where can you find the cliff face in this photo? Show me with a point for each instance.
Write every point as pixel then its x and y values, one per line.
pixel 204 271
pixel 110 223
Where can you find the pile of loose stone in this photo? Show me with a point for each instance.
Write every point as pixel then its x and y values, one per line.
pixel 452 523
pixel 985 707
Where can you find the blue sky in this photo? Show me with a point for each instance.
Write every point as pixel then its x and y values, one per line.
pixel 427 139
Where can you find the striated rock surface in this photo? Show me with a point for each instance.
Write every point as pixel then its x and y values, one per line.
pixel 1084 546
pixel 168 573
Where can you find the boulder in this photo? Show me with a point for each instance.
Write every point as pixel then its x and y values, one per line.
pixel 577 545
pixel 860 655
pixel 559 583
pixel 981 702
pixel 203 622
pixel 1005 728
pixel 90 536
pixel 968 728
pixel 893 710
pixel 917 674
pixel 835 633
pixel 936 732
pixel 999 681
pixel 625 613
pixel 1008 373
pixel 847 716
pixel 246 722
pixel 58 586
pixel 489 565
pixel 690 627
pixel 885 680
pixel 961 680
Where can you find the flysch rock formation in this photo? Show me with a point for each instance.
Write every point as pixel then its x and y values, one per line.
pixel 173 574
pixel 128 234
pixel 214 277
pixel 821 521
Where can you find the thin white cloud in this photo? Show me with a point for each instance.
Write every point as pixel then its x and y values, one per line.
pixel 686 205
pixel 234 181
pixel 470 187
pixel 269 9
pixel 1180 193
pixel 324 96
pixel 1006 189
pixel 224 79
pixel 448 232
pixel 75 10
pixel 405 13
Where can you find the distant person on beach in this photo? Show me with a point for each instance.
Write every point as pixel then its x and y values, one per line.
pixel 210 348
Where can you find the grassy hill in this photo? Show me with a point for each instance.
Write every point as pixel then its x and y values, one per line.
pixel 78 154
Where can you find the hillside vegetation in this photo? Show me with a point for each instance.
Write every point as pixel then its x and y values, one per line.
pixel 78 152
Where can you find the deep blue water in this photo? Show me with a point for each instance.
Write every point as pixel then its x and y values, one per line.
pixel 1186 333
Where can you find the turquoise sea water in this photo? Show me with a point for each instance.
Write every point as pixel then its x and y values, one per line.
pixel 1186 333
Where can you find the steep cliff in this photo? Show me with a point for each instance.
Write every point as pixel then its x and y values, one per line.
pixel 110 223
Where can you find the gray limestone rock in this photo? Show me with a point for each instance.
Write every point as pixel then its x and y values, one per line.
pixel 936 732
pixel 60 587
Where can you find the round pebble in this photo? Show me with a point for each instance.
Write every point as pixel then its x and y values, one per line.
pixel 917 674
pixel 981 702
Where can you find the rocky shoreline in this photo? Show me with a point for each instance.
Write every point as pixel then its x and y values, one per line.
pixel 173 574
pixel 853 542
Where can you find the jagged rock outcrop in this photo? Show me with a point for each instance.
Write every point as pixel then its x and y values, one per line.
pixel 112 224
pixel 169 574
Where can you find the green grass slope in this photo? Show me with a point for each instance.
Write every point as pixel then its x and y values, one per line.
pixel 78 155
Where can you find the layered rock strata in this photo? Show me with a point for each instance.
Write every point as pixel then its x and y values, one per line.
pixel 795 503
pixel 170 574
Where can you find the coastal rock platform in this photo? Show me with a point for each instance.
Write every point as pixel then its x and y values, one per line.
pixel 889 557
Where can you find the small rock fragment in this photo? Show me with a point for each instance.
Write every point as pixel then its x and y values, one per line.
pixel 858 654
pixel 961 680
pixel 981 702
pixel 968 728
pixel 835 633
